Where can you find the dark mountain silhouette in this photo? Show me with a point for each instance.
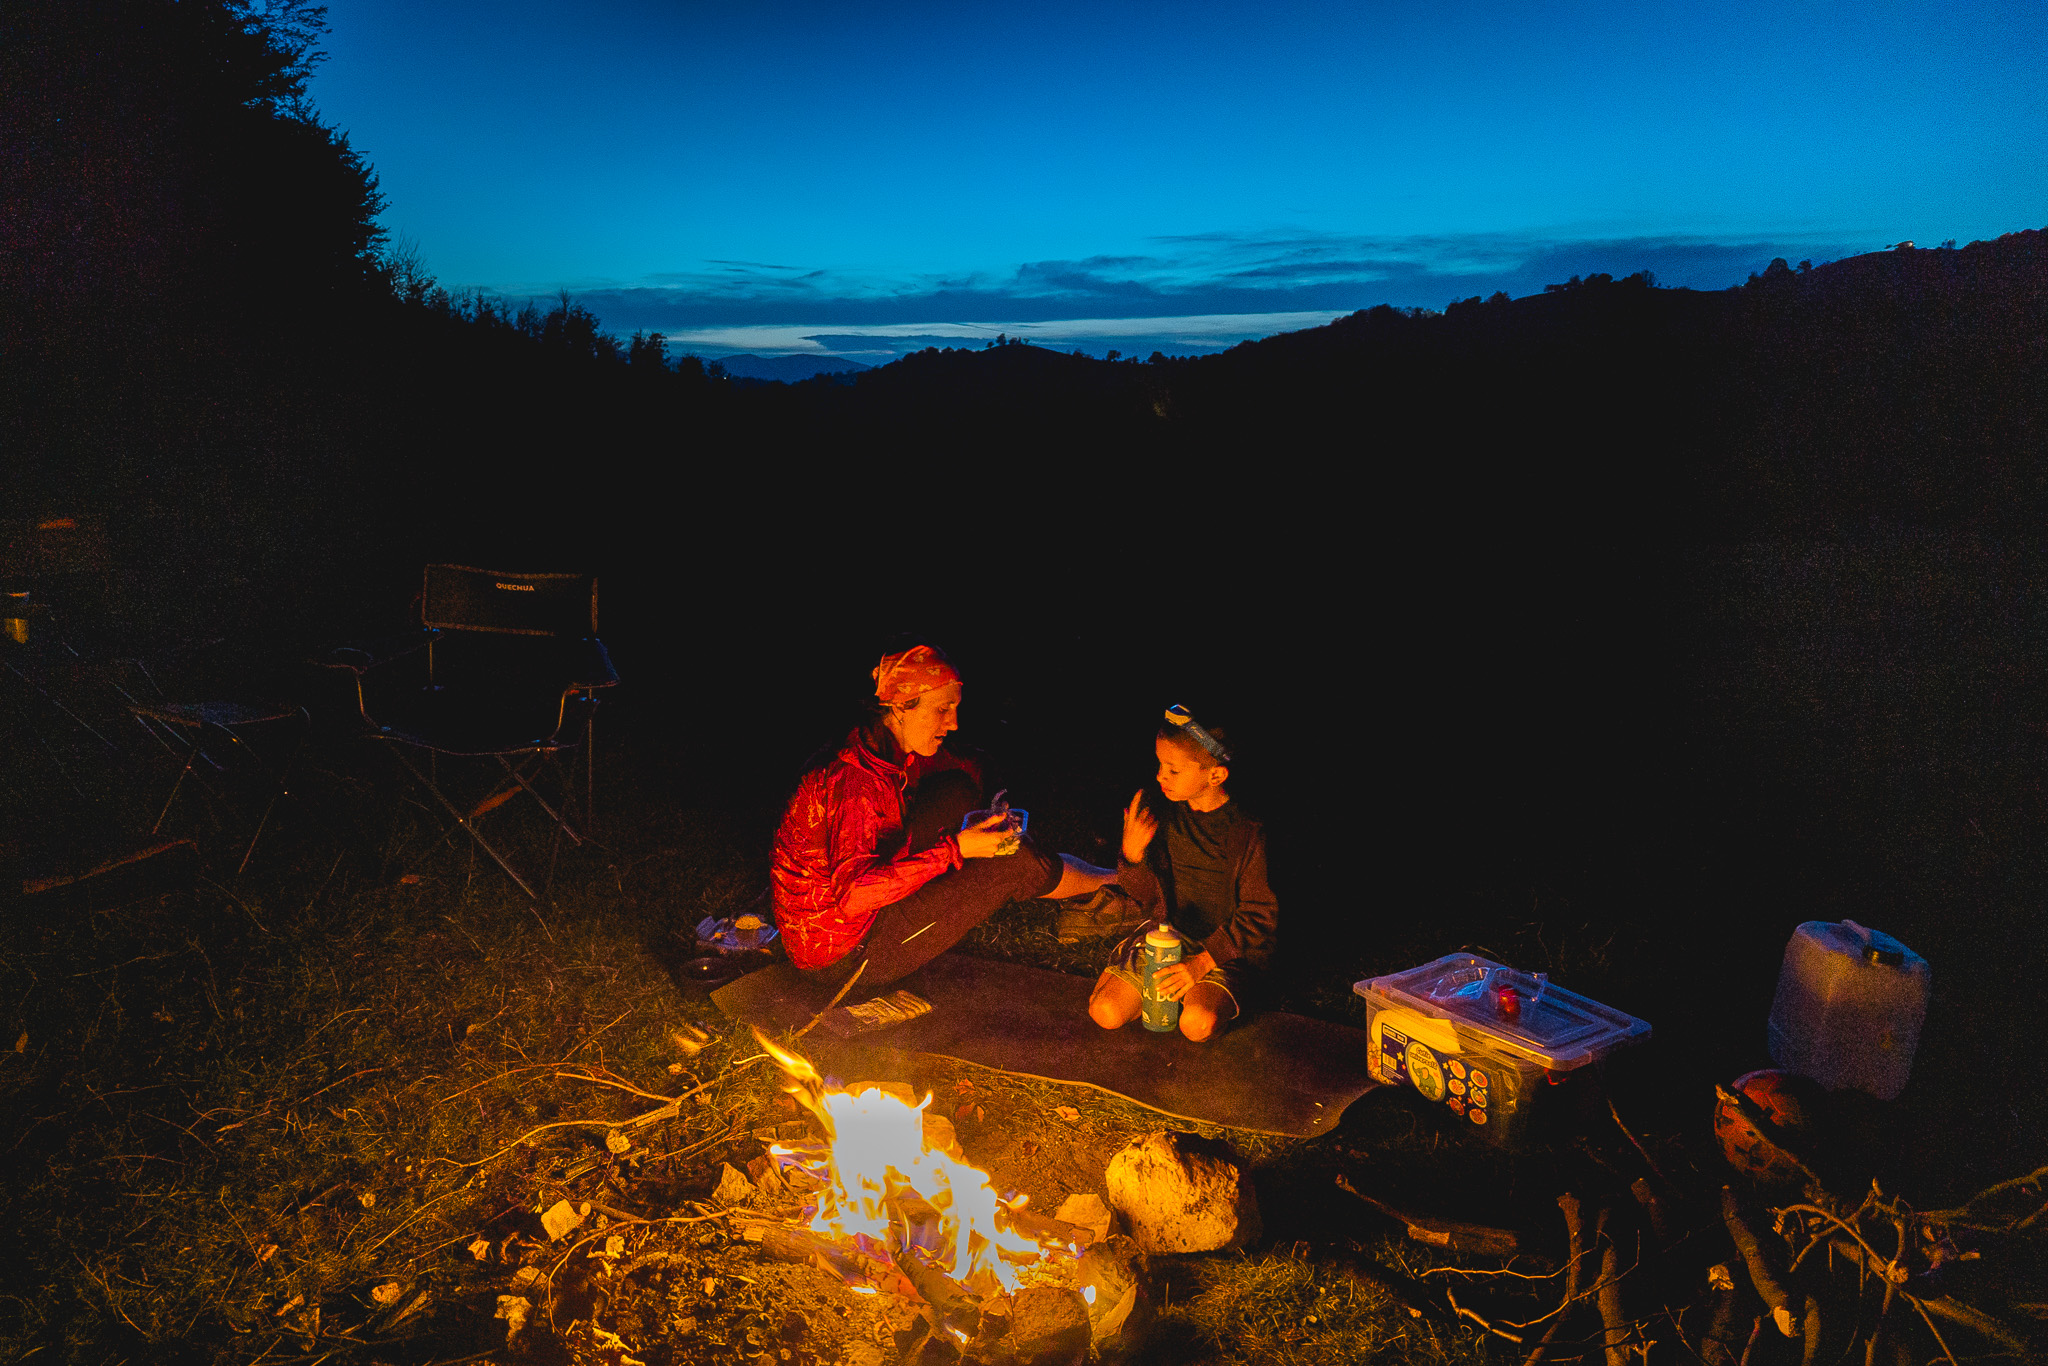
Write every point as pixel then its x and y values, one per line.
pixel 788 369
pixel 205 321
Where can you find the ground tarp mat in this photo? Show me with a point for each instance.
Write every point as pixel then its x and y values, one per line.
pixel 1271 1073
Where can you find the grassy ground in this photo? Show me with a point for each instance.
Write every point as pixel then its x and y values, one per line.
pixel 277 1117
pixel 315 1113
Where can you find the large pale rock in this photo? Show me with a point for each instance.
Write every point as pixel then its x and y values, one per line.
pixel 1177 1197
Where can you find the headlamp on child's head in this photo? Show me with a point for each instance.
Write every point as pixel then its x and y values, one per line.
pixel 1180 716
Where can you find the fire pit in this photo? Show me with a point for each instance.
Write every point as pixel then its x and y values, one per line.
pixel 885 1199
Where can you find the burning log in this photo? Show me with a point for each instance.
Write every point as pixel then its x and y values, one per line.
pixel 954 1308
pixel 1047 1229
pixel 888 1175
pixel 787 1243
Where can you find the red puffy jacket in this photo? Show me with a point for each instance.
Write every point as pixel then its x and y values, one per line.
pixel 840 853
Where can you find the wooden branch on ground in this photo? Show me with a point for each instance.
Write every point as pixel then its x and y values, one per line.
pixel 1575 1233
pixel 1768 1288
pixel 1614 1324
pixel 1976 1320
pixel 1810 1333
pixel 1648 1160
pixel 1653 1209
pixel 1718 1344
pixel 785 1242
pixel 1450 1234
pixel 2029 1188
pixel 833 1002
pixel 1462 1312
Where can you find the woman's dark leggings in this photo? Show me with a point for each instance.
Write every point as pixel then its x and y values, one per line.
pixel 910 933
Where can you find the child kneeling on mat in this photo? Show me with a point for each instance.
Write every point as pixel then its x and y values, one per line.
pixel 1201 868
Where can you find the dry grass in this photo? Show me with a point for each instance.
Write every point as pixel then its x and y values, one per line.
pixel 270 1123
pixel 226 1104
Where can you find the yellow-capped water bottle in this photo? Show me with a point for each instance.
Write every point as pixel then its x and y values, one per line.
pixel 1162 949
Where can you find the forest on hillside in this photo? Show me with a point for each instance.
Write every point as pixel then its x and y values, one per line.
pixel 198 301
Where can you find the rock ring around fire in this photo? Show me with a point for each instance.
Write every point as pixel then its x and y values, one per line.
pixel 1177 1195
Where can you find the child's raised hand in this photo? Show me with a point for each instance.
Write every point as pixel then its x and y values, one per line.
pixel 1140 826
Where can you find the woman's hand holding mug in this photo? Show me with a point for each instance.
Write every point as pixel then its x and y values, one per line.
pixel 987 837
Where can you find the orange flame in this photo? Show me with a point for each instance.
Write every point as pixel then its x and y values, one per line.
pixel 884 1188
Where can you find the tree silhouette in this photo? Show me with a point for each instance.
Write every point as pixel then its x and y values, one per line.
pixel 647 351
pixel 166 150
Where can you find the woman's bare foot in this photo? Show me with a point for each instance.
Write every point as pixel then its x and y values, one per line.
pixel 1079 878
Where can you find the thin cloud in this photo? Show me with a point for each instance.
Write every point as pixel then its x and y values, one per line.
pixel 1248 275
pixel 1097 336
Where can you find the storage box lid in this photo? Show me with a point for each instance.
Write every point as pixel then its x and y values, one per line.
pixel 1558 1029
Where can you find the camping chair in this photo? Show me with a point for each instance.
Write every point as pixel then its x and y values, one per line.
pixel 512 668
pixel 221 739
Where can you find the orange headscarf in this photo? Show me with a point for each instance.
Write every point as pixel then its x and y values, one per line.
pixel 913 673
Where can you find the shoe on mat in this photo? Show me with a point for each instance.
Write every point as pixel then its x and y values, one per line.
pixel 1105 911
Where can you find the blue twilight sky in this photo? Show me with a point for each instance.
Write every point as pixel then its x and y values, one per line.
pixel 781 175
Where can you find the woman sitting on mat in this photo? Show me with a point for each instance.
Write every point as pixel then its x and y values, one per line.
pixel 1207 878
pixel 872 870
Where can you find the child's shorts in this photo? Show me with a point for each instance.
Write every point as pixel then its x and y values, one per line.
pixel 1127 964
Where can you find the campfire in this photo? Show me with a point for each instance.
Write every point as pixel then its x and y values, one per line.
pixel 885 1199
pixel 888 1181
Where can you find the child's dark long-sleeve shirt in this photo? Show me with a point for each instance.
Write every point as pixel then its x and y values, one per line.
pixel 1205 872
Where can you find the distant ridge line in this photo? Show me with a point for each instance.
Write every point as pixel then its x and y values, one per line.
pixel 786 369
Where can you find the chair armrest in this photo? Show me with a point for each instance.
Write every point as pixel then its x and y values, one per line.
pixel 594 668
pixel 360 656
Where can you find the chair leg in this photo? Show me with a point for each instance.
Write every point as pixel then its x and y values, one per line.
pixel 176 787
pixel 250 852
pixel 276 778
pixel 560 822
pixel 464 822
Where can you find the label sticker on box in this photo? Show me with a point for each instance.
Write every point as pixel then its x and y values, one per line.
pixel 1403 1059
pixel 1435 1076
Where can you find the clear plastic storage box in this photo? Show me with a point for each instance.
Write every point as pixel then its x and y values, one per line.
pixel 1482 1040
